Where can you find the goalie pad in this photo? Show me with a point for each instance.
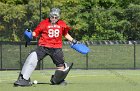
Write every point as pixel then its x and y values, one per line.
pixel 60 75
pixel 29 65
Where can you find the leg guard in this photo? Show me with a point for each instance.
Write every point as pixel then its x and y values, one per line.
pixel 29 65
pixel 60 75
pixel 28 68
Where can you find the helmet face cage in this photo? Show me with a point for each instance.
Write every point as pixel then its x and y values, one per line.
pixel 54 15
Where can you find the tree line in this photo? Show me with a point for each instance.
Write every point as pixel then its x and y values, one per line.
pixel 90 19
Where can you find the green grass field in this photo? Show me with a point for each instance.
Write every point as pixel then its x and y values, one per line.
pixel 82 80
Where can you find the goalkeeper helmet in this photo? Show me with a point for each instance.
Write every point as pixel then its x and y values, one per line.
pixel 54 15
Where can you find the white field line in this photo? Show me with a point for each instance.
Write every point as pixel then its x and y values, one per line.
pixel 98 75
pixel 10 79
pixel 86 75
pixel 7 77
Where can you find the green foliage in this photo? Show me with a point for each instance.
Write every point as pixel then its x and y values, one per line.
pixel 89 19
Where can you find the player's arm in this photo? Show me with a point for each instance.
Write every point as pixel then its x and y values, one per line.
pixel 34 34
pixel 77 46
pixel 37 31
pixel 28 34
pixel 68 37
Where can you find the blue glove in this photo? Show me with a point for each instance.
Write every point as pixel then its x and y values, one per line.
pixel 81 48
pixel 28 35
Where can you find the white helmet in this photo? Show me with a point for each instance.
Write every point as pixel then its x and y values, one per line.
pixel 54 15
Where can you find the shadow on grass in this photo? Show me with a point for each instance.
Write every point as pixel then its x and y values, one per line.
pixel 42 83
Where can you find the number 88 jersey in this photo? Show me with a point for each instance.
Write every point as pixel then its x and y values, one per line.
pixel 51 35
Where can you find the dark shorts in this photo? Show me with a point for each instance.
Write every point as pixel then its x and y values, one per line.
pixel 56 54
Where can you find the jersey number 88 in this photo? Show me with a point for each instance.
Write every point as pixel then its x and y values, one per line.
pixel 53 33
